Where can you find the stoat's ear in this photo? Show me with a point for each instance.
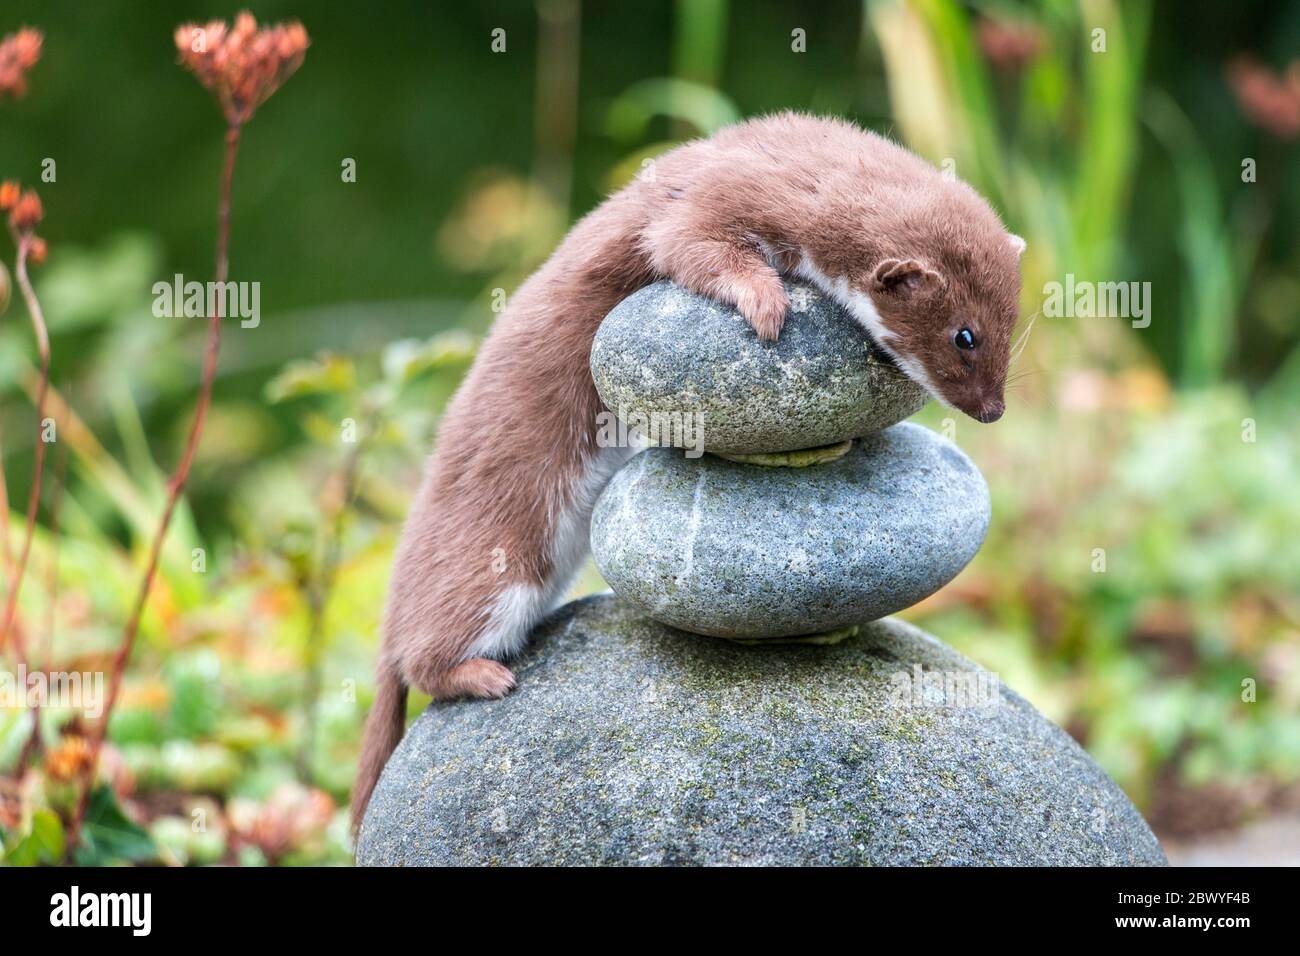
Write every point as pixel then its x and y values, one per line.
pixel 905 277
pixel 1017 244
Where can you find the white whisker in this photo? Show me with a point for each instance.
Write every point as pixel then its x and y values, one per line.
pixel 1024 336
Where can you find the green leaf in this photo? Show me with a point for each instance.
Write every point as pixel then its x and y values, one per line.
pixel 15 728
pixel 406 359
pixel 704 108
pixel 325 375
pixel 196 693
pixel 44 843
pixel 106 284
pixel 108 836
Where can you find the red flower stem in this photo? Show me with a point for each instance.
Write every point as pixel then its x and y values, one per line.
pixel 6 551
pixel 52 568
pixel 23 243
pixel 33 745
pixel 175 487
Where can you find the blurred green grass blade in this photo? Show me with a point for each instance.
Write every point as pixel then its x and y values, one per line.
pixel 921 102
pixel 1107 147
pixel 970 89
pixel 135 440
pixel 1207 318
pixel 699 40
pixel 704 108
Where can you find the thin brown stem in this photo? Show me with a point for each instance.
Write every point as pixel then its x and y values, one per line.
pixel 23 242
pixel 55 507
pixel 175 487
pixel 6 549
pixel 46 659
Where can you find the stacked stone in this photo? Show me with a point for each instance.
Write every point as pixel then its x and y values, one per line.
pixel 814 512
pixel 812 509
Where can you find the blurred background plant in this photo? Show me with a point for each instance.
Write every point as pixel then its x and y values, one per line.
pixel 1140 576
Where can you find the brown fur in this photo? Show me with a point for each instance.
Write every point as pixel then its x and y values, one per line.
pixel 516 464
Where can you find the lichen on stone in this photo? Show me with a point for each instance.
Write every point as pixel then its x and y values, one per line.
pixel 801 458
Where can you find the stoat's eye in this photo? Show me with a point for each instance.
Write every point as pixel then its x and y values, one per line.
pixel 964 339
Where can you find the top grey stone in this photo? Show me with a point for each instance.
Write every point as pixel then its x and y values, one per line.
pixel 668 352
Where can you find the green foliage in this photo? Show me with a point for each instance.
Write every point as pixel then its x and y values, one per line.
pixel 183 765
pixel 40 843
pixel 108 836
pixel 327 375
pixel 1147 657
pixel 180 844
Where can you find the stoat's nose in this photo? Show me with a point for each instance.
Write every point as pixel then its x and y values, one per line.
pixel 991 412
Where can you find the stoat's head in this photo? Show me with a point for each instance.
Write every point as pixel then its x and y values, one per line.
pixel 947 321
pixel 917 256
pixel 944 315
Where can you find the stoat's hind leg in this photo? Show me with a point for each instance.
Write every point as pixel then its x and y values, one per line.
pixel 472 617
pixel 512 614
pixel 476 677
pixel 518 608
pixel 499 629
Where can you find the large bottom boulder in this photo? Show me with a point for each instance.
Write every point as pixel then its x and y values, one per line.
pixel 629 742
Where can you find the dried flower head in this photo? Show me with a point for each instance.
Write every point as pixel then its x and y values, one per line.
pixel 1009 44
pixel 68 759
pixel 26 212
pixel 1270 100
pixel 18 54
pixel 292 816
pixel 241 65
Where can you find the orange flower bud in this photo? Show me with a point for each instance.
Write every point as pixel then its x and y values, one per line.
pixel 9 193
pixel 68 759
pixel 18 54
pixel 37 251
pixel 27 212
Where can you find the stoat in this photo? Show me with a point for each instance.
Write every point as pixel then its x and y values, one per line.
pixel 500 524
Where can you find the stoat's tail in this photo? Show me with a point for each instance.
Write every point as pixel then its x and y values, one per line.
pixel 384 728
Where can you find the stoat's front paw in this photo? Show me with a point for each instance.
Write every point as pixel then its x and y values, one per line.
pixel 762 301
